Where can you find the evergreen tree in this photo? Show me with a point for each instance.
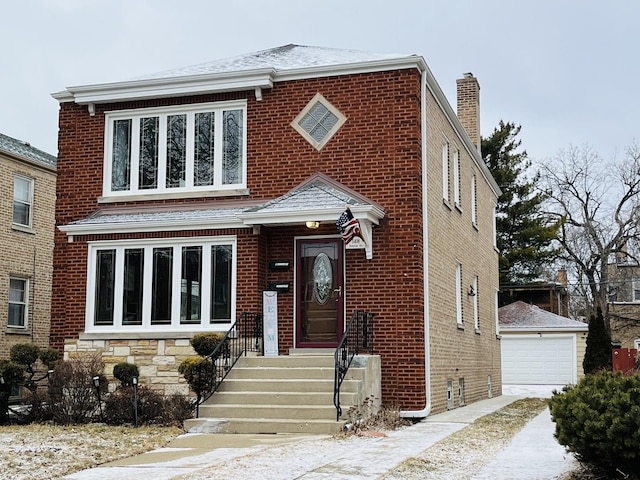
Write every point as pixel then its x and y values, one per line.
pixel 524 233
pixel 597 355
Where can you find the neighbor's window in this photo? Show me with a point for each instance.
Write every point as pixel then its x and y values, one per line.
pixel 476 309
pixel 635 290
pixel 161 284
pixel 18 295
pixel 474 201
pixel 22 200
pixel 176 149
pixel 318 121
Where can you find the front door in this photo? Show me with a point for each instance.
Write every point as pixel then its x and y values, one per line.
pixel 319 292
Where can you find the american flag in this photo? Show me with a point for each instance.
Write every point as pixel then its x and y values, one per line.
pixel 349 226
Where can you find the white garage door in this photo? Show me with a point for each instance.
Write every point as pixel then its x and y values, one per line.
pixel 538 360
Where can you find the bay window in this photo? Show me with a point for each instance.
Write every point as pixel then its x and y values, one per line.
pixel 176 149
pixel 156 285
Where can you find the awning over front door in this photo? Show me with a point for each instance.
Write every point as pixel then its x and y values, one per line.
pixel 319 199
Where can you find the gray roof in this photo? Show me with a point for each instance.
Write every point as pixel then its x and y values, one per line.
pixel 524 316
pixel 286 57
pixel 26 151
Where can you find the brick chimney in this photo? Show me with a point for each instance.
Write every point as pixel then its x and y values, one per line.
pixel 468 93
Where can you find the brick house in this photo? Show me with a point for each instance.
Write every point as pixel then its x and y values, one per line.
pixel 624 301
pixel 179 192
pixel 28 225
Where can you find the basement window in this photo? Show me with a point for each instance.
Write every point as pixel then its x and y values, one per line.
pixel 318 121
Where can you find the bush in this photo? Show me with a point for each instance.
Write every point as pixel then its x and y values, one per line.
pixel 205 343
pixel 198 372
pixel 13 375
pixel 125 372
pixel 73 397
pixel 153 408
pixel 599 420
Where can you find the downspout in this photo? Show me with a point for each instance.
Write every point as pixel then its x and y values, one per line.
pixel 425 258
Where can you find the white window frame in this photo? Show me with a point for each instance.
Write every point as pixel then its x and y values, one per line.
pixel 148 245
pixel 296 123
pixel 456 177
pixel 474 200
pixel 459 293
pixel 635 287
pixel 190 111
pixel 29 202
pixel 476 309
pixel 24 303
pixel 445 170
pixel 495 227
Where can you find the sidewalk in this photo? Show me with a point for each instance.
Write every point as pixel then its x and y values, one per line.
pixel 533 453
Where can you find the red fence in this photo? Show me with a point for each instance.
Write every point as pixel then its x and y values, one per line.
pixel 624 360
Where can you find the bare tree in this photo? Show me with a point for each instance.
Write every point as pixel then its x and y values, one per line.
pixel 598 206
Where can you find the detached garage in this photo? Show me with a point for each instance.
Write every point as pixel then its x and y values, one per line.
pixel 539 347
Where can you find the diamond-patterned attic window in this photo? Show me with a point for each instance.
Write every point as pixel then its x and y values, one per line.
pixel 318 121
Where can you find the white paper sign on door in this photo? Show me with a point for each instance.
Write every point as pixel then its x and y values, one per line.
pixel 270 325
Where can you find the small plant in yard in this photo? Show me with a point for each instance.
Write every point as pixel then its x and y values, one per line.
pixel 205 343
pixel 367 416
pixel 125 372
pixel 599 420
pixel 12 375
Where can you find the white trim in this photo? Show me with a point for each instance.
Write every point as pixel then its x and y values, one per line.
pixel 456 176
pixel 318 98
pixel 476 307
pixel 446 169
pixel 147 245
pixel 459 293
pixel 24 303
pixel 29 202
pixel 189 111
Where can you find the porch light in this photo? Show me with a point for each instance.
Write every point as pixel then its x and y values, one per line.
pixel 311 224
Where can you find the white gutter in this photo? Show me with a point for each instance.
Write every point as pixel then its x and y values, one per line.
pixel 425 260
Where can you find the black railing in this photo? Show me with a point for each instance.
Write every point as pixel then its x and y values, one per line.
pixel 244 336
pixel 357 338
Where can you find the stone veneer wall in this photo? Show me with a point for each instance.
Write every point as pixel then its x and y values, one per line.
pixel 157 360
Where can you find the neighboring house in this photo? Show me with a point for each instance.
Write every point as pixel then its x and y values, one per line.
pixel 550 296
pixel 540 347
pixel 28 183
pixel 181 194
pixel 624 302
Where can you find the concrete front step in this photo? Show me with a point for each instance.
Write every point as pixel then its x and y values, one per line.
pixel 292 412
pixel 283 398
pixel 262 425
pixel 231 384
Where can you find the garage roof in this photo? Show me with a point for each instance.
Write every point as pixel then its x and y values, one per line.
pixel 521 316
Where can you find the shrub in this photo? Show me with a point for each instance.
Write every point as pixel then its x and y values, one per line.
pixel 72 393
pixel 599 420
pixel 125 372
pixel 25 353
pixel 198 372
pixel 205 343
pixel 12 374
pixel 153 408
pixel 597 355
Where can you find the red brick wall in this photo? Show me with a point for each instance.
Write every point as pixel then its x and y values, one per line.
pixel 376 152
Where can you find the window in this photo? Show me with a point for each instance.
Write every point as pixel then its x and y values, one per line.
pixel 18 295
pixel 161 284
pixel 474 201
pixel 22 200
pixel 176 149
pixel 476 312
pixel 495 227
pixel 445 170
pixel 459 314
pixel 635 290
pixel 318 121
pixel 456 177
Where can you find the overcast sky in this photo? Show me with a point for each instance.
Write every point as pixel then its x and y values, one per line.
pixel 567 71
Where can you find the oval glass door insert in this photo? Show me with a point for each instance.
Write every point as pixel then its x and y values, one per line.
pixel 322 278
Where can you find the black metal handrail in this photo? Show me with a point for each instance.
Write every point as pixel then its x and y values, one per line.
pixel 357 338
pixel 243 336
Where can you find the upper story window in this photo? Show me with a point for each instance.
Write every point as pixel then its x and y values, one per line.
pixel 318 121
pixel 635 293
pixel 445 170
pixel 18 295
pixel 474 201
pixel 161 285
pixel 176 149
pixel 22 201
pixel 459 290
pixel 456 177
pixel 476 305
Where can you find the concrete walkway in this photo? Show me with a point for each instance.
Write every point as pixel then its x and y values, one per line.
pixel 533 453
